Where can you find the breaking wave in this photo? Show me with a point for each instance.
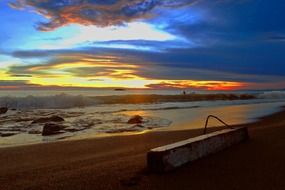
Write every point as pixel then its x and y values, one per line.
pixel 272 95
pixel 63 101
pixel 47 102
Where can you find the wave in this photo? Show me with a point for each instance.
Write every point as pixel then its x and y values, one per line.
pixel 272 95
pixel 149 109
pixel 47 102
pixel 63 101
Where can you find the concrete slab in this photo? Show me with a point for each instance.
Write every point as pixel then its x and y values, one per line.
pixel 174 155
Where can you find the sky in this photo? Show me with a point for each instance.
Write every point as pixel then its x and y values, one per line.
pixel 151 44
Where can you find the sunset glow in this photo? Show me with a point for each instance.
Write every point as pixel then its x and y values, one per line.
pixel 150 44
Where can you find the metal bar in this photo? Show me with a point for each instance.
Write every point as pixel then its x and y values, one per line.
pixel 215 117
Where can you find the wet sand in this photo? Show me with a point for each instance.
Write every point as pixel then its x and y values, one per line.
pixel 119 163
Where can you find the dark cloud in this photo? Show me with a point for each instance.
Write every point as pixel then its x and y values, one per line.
pixel 276 38
pixel 211 64
pixel 230 22
pixel 31 54
pixel 5 83
pixel 17 84
pixel 94 12
pixel 117 72
pixel 195 85
pixel 256 59
pixel 21 75
pixel 96 80
pixel 168 85
pixel 143 45
pixel 85 65
pixel 26 85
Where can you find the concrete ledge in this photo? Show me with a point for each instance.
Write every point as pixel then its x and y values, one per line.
pixel 174 155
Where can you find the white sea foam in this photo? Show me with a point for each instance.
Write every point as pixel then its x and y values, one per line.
pixel 62 101
pixel 47 102
pixel 108 119
pixel 272 95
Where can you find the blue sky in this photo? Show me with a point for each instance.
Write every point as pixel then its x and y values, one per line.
pixel 199 44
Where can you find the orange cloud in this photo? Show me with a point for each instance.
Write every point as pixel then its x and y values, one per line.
pixel 99 13
pixel 203 85
pixel 87 70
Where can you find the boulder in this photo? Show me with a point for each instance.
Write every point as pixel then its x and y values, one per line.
pixel 51 129
pixel 7 134
pixel 3 110
pixel 48 119
pixel 135 120
pixel 138 126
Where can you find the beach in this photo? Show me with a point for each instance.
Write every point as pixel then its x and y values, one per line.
pixel 142 94
pixel 119 162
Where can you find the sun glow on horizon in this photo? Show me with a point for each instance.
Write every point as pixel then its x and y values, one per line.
pixel 150 44
pixel 135 82
pixel 91 71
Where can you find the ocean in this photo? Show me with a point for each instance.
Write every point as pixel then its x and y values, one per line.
pixel 87 116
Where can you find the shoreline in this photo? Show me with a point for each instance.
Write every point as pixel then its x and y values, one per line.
pixel 61 101
pixel 119 162
pixel 177 124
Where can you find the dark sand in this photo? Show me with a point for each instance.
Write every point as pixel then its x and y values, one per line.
pixel 119 163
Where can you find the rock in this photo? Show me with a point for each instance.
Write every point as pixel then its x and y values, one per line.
pixel 48 119
pixel 51 129
pixel 7 134
pixel 3 110
pixel 138 126
pixel 135 120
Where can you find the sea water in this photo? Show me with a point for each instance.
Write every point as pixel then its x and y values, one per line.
pixel 87 118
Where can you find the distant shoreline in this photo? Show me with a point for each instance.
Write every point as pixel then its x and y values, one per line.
pixel 71 101
pixel 154 98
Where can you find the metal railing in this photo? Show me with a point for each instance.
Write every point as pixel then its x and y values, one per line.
pixel 215 117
